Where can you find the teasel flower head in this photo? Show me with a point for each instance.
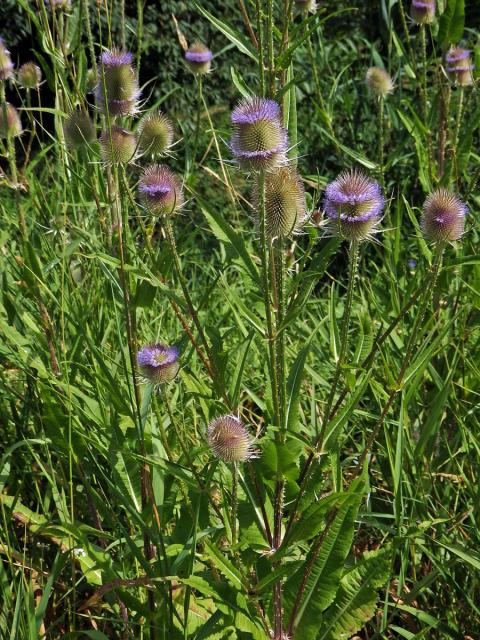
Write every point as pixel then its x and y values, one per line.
pixel 11 126
pixel 118 146
pixel 79 129
pixel 29 75
pixel 6 64
pixel 285 207
pixel 229 439
pixel 305 6
pixel 158 363
pixel 423 11
pixel 353 206
pixel 459 66
pixel 379 82
pixel 198 58
pixel 259 141
pixel 155 133
pixel 443 216
pixel 58 4
pixel 91 80
pixel 117 90
pixel 161 190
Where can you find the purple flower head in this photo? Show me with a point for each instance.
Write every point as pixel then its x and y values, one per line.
pixel 116 58
pixel 353 205
pixel 158 362
pixel 443 216
pixel 459 66
pixel 161 190
pixel 58 4
pixel 118 146
pixel 6 64
pixel 423 11
pixel 412 264
pixel 117 90
pixel 229 440
pixel 252 110
pixel 198 58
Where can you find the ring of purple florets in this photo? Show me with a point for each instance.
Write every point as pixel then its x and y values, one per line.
pixel 116 58
pixel 253 110
pixel 338 197
pixel 198 56
pixel 157 355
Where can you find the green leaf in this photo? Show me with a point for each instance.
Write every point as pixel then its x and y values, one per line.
pixel 452 23
pixel 223 564
pixel 234 36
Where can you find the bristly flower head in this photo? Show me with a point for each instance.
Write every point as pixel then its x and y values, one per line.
pixel 353 205
pixel 158 363
pixel 306 6
pixel 459 66
pixel 118 146
pixel 285 207
pixel 161 190
pixel 155 133
pixel 259 141
pixel 379 82
pixel 117 89
pixel 29 75
pixel 443 216
pixel 6 64
pixel 229 440
pixel 79 129
pixel 423 11
pixel 58 4
pixel 12 127
pixel 198 58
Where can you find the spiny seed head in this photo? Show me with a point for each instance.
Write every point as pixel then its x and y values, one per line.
pixel 117 90
pixel 118 146
pixel 379 82
pixel 229 440
pixel 259 141
pixel 443 216
pixel 285 208
pixel 158 363
pixel 161 190
pixel 6 64
pixel 155 133
pixel 423 11
pixel 198 58
pixel 79 129
pixel 353 205
pixel 459 66
pixel 305 6
pixel 12 125
pixel 29 75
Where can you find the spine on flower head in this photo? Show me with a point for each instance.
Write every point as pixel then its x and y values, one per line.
pixel 11 126
pixel 443 216
pixel 229 440
pixel 379 82
pixel 353 206
pixel 117 90
pixel 79 129
pixel 158 363
pixel 118 146
pixel 29 75
pixel 6 64
pixel 155 134
pixel 423 11
pixel 259 141
pixel 160 190
pixel 198 58
pixel 459 66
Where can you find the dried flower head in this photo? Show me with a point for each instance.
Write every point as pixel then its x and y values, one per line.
pixel 79 129
pixel 117 91
pixel 353 205
pixel 155 133
pixel 459 66
pixel 158 363
pixel 423 11
pixel 12 125
pixel 229 440
pixel 285 207
pixel 305 6
pixel 6 64
pixel 29 75
pixel 259 141
pixel 161 190
pixel 443 216
pixel 118 146
pixel 379 82
pixel 198 58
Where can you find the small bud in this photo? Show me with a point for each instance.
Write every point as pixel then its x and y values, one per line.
pixel 155 133
pixel 12 125
pixel 259 141
pixel 353 204
pixel 459 66
pixel 305 6
pixel 379 82
pixel 161 190
pixel 78 129
pixel 158 362
pixel 29 75
pixel 423 11
pixel 118 146
pixel 91 81
pixel 229 440
pixel 6 64
pixel 117 91
pixel 285 208
pixel 198 58
pixel 443 216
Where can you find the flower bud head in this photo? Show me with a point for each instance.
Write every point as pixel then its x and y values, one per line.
pixel 118 146
pixel 117 91
pixel 285 208
pixel 423 11
pixel 91 80
pixel 259 141
pixel 305 6
pixel 29 75
pixel 58 4
pixel 443 216
pixel 158 362
pixel 353 205
pixel 379 82
pixel 229 440
pixel 155 133
pixel 198 58
pixel 79 129
pixel 161 190
pixel 12 125
pixel 459 66
pixel 6 64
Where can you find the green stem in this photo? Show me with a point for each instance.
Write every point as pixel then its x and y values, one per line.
pixel 458 122
pixel 234 503
pixel 381 140
pixel 198 79
pixel 261 63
